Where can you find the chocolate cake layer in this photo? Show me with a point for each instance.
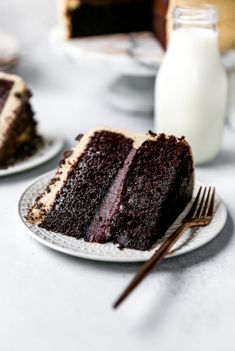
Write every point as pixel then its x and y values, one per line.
pixel 90 19
pixel 21 139
pixel 18 135
pixel 157 187
pixel 87 184
pixel 99 230
pixel 159 21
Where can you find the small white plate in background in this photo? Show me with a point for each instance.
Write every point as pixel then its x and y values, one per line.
pixel 50 148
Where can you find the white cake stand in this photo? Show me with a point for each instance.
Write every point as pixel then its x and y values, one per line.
pixel 135 57
pixel 134 54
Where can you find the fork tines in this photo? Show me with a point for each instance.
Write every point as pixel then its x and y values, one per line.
pixel 203 205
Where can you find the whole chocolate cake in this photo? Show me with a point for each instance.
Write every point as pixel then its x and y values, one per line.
pixel 18 136
pixel 81 18
pixel 117 186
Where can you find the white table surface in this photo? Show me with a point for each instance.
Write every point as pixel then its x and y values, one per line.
pixel 49 301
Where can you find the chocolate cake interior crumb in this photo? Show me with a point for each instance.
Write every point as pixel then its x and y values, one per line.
pixel 88 20
pixel 157 188
pixel 21 139
pixel 24 152
pixel 88 183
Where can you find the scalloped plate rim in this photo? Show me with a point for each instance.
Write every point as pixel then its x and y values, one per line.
pixel 102 256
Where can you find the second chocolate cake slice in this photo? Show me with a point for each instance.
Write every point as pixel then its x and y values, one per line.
pixel 118 186
pixel 82 181
pixel 18 128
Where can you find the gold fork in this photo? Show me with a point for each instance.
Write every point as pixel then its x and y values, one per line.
pixel 199 215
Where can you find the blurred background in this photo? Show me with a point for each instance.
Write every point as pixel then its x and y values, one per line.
pixel 46 297
pixel 89 90
pixel 61 89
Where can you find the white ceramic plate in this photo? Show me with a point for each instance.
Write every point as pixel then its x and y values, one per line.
pixel 138 54
pixel 50 148
pixel 191 240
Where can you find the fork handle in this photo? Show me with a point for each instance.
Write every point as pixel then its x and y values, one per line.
pixel 157 257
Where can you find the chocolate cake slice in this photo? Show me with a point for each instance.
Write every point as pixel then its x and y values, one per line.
pixel 18 136
pixel 114 185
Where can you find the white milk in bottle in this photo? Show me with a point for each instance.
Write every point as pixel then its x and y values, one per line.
pixel 191 86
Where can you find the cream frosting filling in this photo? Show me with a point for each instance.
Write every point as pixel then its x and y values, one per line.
pixel 8 113
pixel 64 19
pixel 44 202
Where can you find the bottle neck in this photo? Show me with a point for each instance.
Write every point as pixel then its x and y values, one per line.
pixel 201 17
pixel 194 30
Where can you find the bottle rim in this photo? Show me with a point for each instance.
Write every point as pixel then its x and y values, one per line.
pixel 200 15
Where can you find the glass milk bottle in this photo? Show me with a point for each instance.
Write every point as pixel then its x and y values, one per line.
pixel 191 85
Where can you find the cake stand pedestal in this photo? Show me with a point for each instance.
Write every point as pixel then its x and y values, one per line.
pixel 132 93
pixel 132 58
